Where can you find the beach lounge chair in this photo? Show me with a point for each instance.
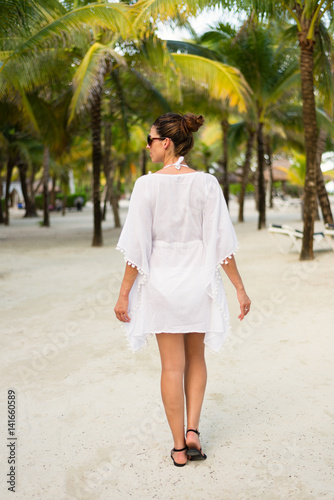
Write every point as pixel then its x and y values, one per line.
pixel 282 204
pixel 295 236
pixel 329 234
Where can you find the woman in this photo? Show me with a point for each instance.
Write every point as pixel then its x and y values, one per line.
pixel 177 235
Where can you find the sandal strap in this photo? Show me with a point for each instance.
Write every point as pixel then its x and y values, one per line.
pixel 181 449
pixel 193 430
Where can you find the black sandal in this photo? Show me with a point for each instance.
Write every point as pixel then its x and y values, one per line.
pixel 194 453
pixel 171 454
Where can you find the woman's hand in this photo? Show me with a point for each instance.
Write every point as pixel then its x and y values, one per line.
pixel 244 302
pixel 122 305
pixel 121 309
pixel 232 272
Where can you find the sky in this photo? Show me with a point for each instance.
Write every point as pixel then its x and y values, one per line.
pixel 200 24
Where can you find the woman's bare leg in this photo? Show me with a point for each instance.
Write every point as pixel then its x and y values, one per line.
pixel 195 382
pixel 171 347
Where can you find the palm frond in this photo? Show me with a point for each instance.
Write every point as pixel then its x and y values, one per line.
pixel 159 62
pixel 268 8
pixel 222 82
pixel 288 81
pixel 31 72
pixel 90 74
pixel 17 16
pixel 111 16
pixel 191 48
pixel 142 95
pixel 27 109
pixel 237 134
pixel 323 68
pixel 214 38
pixel 325 122
pixel 162 10
pixel 51 6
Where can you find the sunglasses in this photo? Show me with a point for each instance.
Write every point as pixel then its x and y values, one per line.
pixel 151 139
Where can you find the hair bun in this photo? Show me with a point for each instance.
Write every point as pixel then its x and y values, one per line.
pixel 192 122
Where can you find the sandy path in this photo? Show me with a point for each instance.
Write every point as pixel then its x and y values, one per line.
pixel 90 423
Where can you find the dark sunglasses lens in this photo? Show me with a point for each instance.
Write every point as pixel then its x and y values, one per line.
pixel 149 140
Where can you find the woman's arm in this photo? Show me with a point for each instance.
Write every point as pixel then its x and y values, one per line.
pixel 233 274
pixel 121 307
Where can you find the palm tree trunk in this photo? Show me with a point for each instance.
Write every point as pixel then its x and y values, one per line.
pixel 270 169
pixel 114 197
pixel 321 188
pixel 10 166
pixel 105 196
pixel 64 184
pixel 32 190
pixel 260 177
pixel 63 208
pixel 2 218
pixel 226 188
pixel 53 191
pixel 97 159
pixel 29 202
pixel 245 171
pixel 46 169
pixel 114 206
pixel 109 172
pixel 310 133
pixel 143 159
pixel 106 165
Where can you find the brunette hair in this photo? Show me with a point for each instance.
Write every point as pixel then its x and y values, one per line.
pixel 179 128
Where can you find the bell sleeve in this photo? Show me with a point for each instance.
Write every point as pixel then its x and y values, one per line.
pixel 219 236
pixel 135 241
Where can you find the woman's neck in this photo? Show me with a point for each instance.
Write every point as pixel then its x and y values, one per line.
pixel 170 160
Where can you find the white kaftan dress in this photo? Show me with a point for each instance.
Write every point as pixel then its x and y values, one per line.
pixel 177 234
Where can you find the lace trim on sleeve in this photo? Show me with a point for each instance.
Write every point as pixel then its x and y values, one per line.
pixel 218 277
pixel 144 276
pixel 217 280
pixel 225 260
pixel 144 344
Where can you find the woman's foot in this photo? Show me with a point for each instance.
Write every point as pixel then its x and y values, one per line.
pixel 194 446
pixel 192 439
pixel 179 457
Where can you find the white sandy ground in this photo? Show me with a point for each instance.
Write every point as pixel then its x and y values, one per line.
pixel 90 422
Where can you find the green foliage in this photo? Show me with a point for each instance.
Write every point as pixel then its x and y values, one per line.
pixel 235 189
pixel 296 173
pixel 222 81
pixel 292 190
pixel 56 54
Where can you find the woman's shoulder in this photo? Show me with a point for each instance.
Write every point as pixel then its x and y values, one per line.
pixel 210 182
pixel 141 179
pixel 211 178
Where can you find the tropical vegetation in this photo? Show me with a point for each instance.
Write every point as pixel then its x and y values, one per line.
pixel 82 81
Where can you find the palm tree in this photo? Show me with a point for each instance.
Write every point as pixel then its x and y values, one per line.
pixel 325 93
pixel 16 151
pixel 325 88
pixel 321 188
pixel 306 15
pixel 268 72
pixel 132 102
pixel 108 22
pixel 88 80
pixel 243 133
pixel 223 83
